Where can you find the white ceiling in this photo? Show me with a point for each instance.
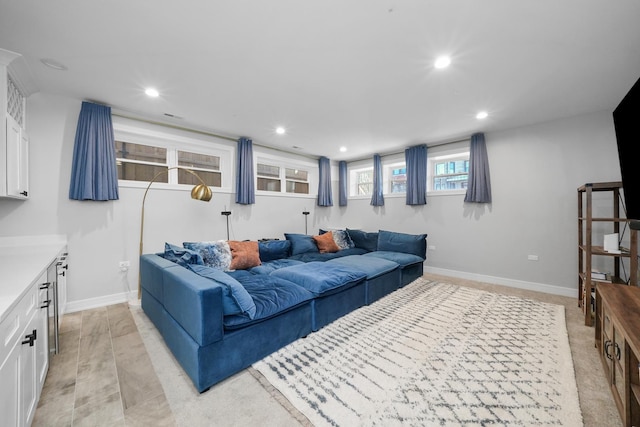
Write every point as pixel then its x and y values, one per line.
pixel 356 73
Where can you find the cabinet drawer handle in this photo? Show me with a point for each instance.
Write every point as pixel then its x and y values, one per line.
pixel 617 351
pixel 46 304
pixel 607 344
pixel 45 285
pixel 24 193
pixel 30 338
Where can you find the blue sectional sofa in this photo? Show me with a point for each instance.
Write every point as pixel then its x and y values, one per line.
pixel 218 320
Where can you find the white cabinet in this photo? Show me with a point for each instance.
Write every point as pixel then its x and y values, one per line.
pixel 14 141
pixel 24 355
pixel 25 298
pixel 17 165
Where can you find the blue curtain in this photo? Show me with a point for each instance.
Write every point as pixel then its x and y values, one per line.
pixel 245 186
pixel 377 198
pixel 479 186
pixel 342 183
pixel 416 164
pixel 324 185
pixel 94 175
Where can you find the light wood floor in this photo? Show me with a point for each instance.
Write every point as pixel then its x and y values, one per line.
pixel 102 375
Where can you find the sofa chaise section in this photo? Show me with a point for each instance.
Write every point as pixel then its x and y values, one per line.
pixel 337 289
pixel 188 311
pixel 382 276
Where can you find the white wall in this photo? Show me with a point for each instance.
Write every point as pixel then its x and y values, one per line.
pixel 535 172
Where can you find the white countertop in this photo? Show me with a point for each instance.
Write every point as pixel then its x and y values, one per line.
pixel 22 261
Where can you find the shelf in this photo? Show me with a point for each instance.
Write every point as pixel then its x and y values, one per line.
pixel 590 255
pixel 605 219
pixel 600 186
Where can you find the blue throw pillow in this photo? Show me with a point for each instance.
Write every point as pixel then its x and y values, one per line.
pixel 271 250
pixel 216 254
pixel 301 243
pixel 235 298
pixel 181 256
pixel 364 240
pixel 415 244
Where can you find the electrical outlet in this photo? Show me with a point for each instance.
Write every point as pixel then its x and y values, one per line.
pixel 432 247
pixel 124 265
pixel 532 257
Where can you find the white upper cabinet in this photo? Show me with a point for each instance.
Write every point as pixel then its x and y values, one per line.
pixel 14 141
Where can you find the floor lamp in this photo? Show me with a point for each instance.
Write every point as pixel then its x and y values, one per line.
pixel 306 214
pixel 199 192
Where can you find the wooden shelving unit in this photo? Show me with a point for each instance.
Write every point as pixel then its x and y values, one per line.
pixel 587 250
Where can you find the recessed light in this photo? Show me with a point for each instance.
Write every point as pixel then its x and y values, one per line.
pixel 442 62
pixel 482 115
pixel 52 63
pixel 151 92
pixel 343 149
pixel 280 130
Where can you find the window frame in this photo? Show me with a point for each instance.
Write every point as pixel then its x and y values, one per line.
pixel 134 132
pixel 455 151
pixel 284 163
pixel 389 163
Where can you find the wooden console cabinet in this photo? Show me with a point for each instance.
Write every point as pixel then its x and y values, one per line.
pixel 618 341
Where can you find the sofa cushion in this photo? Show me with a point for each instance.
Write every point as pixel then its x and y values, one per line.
pixel 276 264
pixel 371 266
pixel 364 240
pixel 391 241
pixel 325 243
pixel 235 299
pixel 181 255
pixel 317 256
pixel 301 243
pixel 216 254
pixel 274 249
pixel 244 255
pixel 271 295
pixel 397 257
pixel 321 278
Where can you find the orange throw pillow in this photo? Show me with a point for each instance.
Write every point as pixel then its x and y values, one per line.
pixel 326 243
pixel 244 255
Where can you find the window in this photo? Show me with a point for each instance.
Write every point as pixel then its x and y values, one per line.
pixel 137 162
pixel 397 182
pixel 144 151
pixel 297 181
pixel 272 177
pixel 206 166
pixel 268 178
pixel 448 172
pixel 394 178
pixel 362 182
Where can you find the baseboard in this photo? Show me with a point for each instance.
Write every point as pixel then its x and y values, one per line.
pixel 519 284
pixel 97 302
pixel 106 300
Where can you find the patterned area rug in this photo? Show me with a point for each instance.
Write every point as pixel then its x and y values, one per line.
pixel 434 354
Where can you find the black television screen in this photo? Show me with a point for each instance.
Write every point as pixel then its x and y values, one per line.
pixel 626 120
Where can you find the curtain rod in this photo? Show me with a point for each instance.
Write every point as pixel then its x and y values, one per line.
pixel 392 153
pixel 202 132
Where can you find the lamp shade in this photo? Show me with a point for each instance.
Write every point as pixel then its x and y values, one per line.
pixel 201 192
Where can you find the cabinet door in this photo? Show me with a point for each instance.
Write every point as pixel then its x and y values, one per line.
pixel 9 387
pixel 17 160
pixel 42 343
pixel 29 372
